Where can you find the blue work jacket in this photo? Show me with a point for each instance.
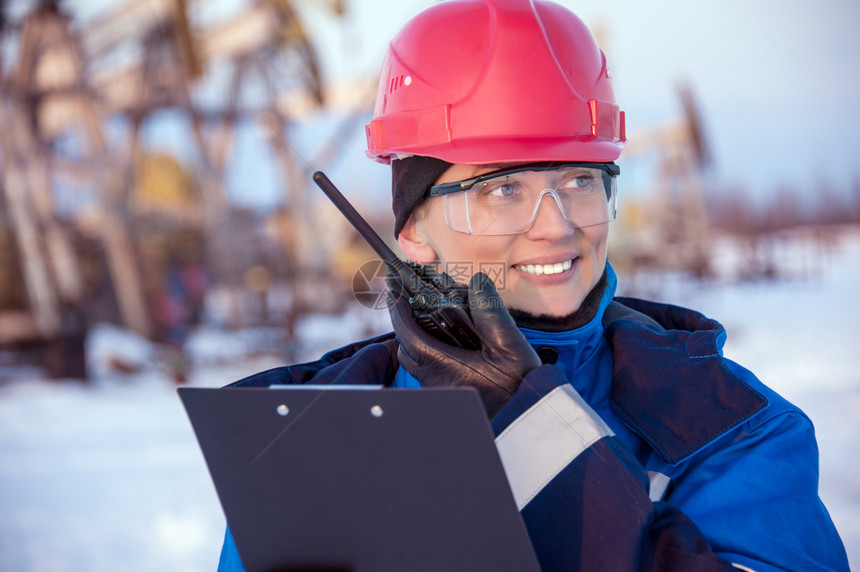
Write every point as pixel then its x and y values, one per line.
pixel 657 453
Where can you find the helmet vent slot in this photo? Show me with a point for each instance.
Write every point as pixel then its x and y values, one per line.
pixel 397 82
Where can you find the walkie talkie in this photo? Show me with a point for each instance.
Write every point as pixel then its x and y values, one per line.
pixel 440 312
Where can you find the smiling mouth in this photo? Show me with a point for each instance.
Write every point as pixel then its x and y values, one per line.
pixel 541 269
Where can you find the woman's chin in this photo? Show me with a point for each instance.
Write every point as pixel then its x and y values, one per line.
pixel 559 309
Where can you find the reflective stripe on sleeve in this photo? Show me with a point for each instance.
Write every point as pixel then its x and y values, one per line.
pixel 540 443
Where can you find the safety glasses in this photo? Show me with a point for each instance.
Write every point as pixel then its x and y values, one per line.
pixel 507 201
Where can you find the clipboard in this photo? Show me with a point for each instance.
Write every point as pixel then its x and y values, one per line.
pixel 359 478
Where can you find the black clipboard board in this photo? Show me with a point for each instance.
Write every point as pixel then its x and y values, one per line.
pixel 359 478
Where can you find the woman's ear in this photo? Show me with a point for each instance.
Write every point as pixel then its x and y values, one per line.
pixel 414 244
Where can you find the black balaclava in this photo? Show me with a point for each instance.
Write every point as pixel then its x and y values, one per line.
pixel 411 177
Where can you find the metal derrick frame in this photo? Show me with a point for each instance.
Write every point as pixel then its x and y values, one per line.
pixel 674 232
pixel 52 91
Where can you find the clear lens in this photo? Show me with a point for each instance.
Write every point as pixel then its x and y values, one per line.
pixel 509 203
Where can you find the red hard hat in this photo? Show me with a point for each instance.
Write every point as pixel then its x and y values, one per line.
pixel 495 81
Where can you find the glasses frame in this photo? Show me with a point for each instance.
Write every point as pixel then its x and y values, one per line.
pixel 610 171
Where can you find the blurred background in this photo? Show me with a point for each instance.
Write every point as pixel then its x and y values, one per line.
pixel 159 228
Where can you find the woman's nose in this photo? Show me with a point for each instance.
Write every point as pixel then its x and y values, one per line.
pixel 550 220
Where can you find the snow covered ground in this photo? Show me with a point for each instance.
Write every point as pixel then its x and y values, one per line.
pixel 108 476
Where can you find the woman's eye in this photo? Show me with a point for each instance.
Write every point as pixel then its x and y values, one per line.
pixel 578 183
pixel 500 190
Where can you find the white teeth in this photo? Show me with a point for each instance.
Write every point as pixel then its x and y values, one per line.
pixel 538 269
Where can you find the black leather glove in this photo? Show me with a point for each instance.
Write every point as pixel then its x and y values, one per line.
pixel 495 370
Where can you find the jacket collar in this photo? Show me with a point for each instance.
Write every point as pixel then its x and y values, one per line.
pixel 670 382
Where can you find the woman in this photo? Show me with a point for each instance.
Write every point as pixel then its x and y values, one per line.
pixel 629 442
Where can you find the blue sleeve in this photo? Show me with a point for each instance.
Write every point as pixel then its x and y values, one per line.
pixel 229 561
pixel 750 498
pixel 582 495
